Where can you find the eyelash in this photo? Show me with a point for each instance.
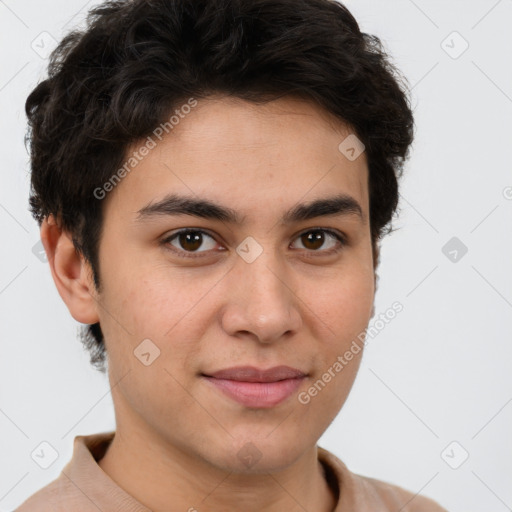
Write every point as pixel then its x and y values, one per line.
pixel 184 254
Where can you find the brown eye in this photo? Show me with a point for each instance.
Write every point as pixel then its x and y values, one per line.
pixel 191 241
pixel 315 239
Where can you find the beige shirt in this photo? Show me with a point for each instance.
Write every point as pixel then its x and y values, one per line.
pixel 83 486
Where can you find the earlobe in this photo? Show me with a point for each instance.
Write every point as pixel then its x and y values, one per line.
pixel 70 271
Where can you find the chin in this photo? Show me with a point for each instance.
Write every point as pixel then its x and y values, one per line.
pixel 260 453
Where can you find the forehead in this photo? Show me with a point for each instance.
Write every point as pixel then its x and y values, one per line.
pixel 257 159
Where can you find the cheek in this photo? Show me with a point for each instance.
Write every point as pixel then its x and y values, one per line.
pixel 150 302
pixel 345 305
pixel 169 311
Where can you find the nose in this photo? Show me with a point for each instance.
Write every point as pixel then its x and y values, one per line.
pixel 262 304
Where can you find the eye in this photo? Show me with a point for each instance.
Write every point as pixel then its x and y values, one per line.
pixel 189 241
pixel 314 239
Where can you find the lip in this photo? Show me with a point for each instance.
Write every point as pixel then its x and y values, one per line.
pixel 257 388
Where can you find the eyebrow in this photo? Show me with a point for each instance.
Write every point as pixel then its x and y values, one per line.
pixel 173 204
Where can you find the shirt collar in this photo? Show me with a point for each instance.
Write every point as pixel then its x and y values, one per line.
pixel 87 476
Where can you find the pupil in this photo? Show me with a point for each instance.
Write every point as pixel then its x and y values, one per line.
pixel 193 241
pixel 316 238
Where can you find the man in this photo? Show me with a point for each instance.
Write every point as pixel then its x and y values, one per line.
pixel 212 179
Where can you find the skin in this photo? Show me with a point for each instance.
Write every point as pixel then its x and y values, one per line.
pixel 177 438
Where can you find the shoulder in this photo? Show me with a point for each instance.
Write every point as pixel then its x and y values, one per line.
pixel 395 496
pixel 57 496
pixel 81 485
pixel 367 494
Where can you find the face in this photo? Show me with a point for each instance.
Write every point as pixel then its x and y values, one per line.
pixel 260 281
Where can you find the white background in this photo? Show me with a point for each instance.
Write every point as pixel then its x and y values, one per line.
pixel 438 373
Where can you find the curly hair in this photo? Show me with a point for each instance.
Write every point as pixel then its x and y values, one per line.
pixel 111 84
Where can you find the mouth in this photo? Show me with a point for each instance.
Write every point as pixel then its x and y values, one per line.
pixel 254 387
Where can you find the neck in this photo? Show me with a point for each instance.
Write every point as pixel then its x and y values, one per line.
pixel 160 475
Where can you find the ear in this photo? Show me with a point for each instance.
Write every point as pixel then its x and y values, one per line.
pixel 71 273
pixel 376 260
